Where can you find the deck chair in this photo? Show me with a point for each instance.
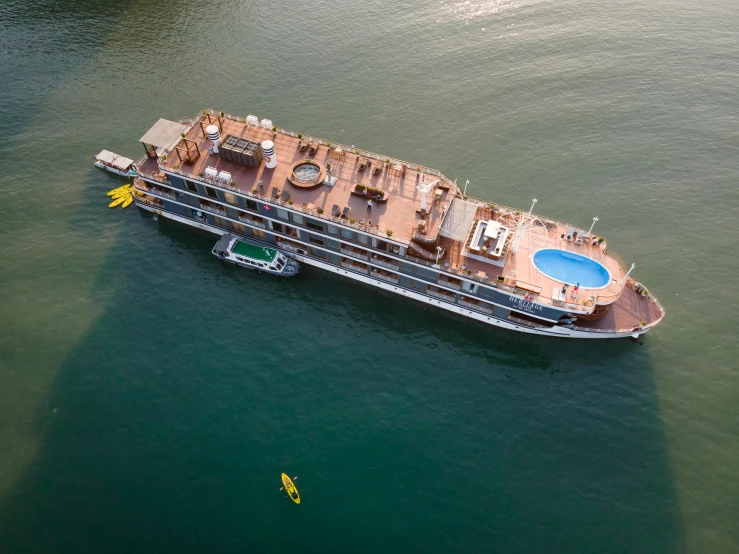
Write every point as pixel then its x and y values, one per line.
pixel 345 213
pixel 336 211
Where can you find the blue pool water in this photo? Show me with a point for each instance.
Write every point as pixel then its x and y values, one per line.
pixel 572 268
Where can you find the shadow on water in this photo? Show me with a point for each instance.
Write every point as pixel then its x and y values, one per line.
pixel 411 430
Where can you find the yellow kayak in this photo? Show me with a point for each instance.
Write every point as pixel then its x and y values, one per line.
pixel 117 201
pixel 128 201
pixel 292 492
pixel 121 193
pixel 119 189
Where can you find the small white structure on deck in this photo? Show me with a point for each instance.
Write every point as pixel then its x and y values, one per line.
pixel 425 189
pixel 224 177
pixel 252 120
pixel 270 159
pixel 214 135
pixel 267 124
pixel 211 172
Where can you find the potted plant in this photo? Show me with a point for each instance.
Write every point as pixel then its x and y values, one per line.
pixel 223 113
pixel 182 134
pixel 300 135
pixel 643 323
pixel 387 161
pixel 320 211
pixel 290 202
pixel 164 157
pixel 201 174
pixel 352 220
pixel 254 191
pixel 389 233
pixel 357 151
pixel 204 112
pixel 274 129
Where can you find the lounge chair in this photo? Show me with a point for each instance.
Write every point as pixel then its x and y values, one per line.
pixel 336 211
pixel 312 148
pixel 275 193
pixel 570 232
pixel 285 196
pixel 362 165
pixel 345 213
pixel 377 169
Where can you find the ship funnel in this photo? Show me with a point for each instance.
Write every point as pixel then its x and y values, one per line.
pixel 268 149
pixel 215 137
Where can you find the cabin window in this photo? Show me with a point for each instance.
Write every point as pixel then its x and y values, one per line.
pixel 230 198
pixel 420 285
pixel 408 268
pixel 180 195
pixel 423 272
pixel 318 253
pixel 363 239
pixel 211 192
pixel 347 234
pixel 276 226
pixel 333 243
pixel 405 281
pixel 251 205
pixel 258 233
pixel 299 219
pixel 334 258
pixel 333 229
pixel 219 221
pixel 313 224
pixel 282 214
pixel 189 185
pixel 315 240
pixel 239 228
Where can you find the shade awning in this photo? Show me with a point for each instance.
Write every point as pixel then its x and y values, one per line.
pixel 106 156
pixel 122 163
pixel 163 134
pixel 459 220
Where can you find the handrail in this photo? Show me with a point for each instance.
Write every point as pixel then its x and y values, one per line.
pixel 619 259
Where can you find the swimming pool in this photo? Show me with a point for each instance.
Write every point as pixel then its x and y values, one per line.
pixel 571 268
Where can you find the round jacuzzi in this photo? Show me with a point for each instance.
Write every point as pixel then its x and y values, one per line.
pixel 572 269
pixel 306 173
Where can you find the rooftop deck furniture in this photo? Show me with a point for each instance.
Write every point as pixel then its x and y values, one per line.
pixel 302 146
pixel 362 165
pixel 570 233
pixel 285 196
pixel 371 193
pixel 312 147
pixel 335 210
pixel 275 193
pixel 377 169
pixel 345 212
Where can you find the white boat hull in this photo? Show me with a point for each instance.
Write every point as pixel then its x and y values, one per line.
pixel 555 331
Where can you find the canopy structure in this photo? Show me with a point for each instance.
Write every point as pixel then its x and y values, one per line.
pixel 119 162
pixel 459 220
pixel 163 134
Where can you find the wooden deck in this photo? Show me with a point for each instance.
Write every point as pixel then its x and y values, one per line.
pixel 398 214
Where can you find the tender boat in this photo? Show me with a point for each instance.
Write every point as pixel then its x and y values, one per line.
pixel 231 249
pixel 114 163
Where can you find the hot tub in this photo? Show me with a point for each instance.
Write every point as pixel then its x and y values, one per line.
pixel 572 269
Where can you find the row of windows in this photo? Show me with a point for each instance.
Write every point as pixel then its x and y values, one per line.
pixel 298 219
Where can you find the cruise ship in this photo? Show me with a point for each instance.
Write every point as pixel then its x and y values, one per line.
pixel 388 223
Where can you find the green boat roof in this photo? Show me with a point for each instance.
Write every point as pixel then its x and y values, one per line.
pixel 254 252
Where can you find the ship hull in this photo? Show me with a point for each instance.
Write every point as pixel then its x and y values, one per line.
pixel 554 331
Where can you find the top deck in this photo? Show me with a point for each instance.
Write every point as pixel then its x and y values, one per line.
pixel 399 214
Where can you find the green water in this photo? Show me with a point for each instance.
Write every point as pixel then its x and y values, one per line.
pixel 151 395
